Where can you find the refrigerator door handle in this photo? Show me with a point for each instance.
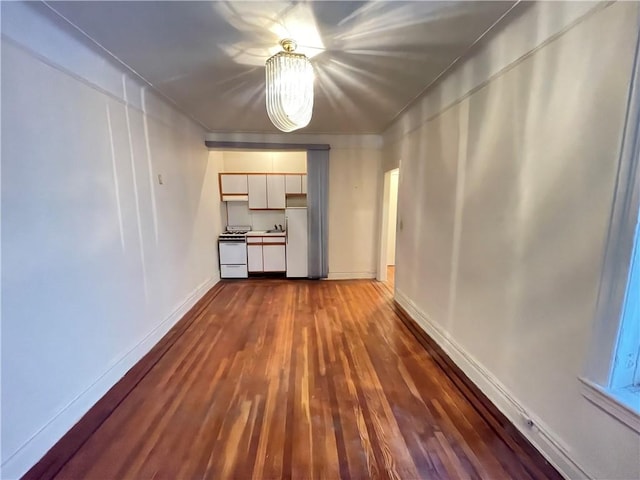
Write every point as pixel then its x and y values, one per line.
pixel 286 230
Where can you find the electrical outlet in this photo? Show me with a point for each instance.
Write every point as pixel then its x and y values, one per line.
pixel 529 423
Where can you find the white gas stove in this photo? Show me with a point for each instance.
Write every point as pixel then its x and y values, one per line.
pixel 234 233
pixel 232 249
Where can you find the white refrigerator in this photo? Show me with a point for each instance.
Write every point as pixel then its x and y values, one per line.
pixel 297 242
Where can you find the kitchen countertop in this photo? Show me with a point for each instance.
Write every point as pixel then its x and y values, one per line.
pixel 263 233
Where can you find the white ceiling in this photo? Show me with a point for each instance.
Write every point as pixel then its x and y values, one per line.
pixel 371 59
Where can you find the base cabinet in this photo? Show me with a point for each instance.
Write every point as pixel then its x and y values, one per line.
pixel 254 258
pixel 274 258
pixel 266 254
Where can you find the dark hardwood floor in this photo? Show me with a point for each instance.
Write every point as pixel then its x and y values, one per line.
pixel 298 379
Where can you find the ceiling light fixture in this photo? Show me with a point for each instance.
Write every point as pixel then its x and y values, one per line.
pixel 289 85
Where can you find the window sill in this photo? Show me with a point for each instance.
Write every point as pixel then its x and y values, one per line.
pixel 622 403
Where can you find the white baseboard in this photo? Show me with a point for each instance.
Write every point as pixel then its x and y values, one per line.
pixel 539 434
pixel 350 275
pixel 35 447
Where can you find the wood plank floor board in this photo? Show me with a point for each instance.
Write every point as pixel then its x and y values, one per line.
pixel 529 463
pixel 460 463
pixel 302 379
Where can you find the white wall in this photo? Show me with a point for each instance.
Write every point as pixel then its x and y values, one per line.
pixel 216 162
pixel 354 185
pixel 265 161
pixel 527 28
pixel 506 186
pixel 238 213
pixel 99 260
pixel 355 181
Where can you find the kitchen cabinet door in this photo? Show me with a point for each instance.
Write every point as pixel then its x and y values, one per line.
pixel 254 258
pixel 274 258
pixel 257 191
pixel 293 184
pixel 233 184
pixel 304 184
pixel 275 192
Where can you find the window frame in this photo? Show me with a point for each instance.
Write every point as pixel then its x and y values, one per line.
pixel 598 379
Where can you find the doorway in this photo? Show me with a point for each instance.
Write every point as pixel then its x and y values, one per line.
pixel 387 260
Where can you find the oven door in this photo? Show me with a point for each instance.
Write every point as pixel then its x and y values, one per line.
pixel 233 253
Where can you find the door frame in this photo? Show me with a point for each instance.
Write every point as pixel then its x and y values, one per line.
pixel 383 240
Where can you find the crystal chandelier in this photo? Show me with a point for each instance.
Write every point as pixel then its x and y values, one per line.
pixel 289 79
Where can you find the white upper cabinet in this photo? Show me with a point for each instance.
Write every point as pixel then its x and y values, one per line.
pixel 233 184
pixel 264 191
pixel 258 191
pixel 275 192
pixel 293 184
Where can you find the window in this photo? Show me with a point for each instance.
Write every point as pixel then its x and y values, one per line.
pixel 618 392
pixel 626 371
pixel 624 382
pixel 612 377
